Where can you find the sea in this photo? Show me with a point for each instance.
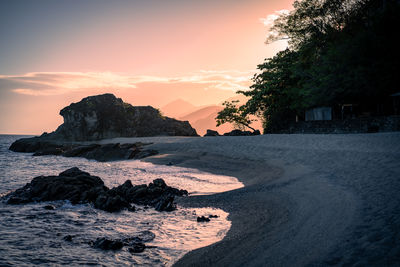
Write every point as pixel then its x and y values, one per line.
pixel 31 235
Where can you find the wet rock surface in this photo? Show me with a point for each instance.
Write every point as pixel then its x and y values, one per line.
pixel 135 244
pixel 107 244
pixel 99 152
pixel 202 219
pixel 80 187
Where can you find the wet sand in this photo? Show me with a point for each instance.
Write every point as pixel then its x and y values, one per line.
pixel 307 200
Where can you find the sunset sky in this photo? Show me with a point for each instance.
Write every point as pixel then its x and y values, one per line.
pixel 148 52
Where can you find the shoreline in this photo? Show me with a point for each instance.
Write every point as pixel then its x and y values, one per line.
pixel 261 213
pixel 307 200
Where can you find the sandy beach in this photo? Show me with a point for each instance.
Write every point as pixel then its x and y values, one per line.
pixel 308 199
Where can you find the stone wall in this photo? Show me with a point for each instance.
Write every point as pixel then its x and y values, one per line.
pixel 357 125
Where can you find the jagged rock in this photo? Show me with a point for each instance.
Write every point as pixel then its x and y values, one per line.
pixel 135 244
pixel 72 185
pixel 102 117
pixel 107 244
pixel 213 216
pixel 203 219
pixel 166 203
pixel 146 236
pixel 68 238
pixel 212 133
pixel 111 203
pixel 137 248
pixel 105 116
pixel 80 187
pixel 99 152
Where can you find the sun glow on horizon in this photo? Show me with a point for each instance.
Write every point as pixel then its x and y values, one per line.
pixel 201 52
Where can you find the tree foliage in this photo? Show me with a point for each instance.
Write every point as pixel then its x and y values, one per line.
pixel 339 52
pixel 234 114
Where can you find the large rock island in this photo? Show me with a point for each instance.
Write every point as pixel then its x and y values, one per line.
pixel 103 117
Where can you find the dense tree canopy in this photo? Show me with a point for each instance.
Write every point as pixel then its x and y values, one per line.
pixel 339 52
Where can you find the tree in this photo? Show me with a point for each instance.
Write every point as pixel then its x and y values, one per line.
pixel 234 114
pixel 339 52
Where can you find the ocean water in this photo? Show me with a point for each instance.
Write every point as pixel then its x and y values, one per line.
pixel 31 235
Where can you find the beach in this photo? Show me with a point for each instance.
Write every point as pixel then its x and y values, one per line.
pixel 307 200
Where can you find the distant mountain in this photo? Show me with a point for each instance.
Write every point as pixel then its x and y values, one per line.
pixel 201 112
pixel 204 118
pixel 201 118
pixel 178 108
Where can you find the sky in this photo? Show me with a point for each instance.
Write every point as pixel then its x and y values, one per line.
pixel 148 52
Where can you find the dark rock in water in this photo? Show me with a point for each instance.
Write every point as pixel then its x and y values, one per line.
pixel 72 185
pixel 166 203
pixel 111 203
pixel 146 153
pixel 146 236
pixel 68 238
pixel 212 133
pixel 49 207
pixel 137 248
pixel 242 133
pixel 80 187
pixel 106 116
pixel 99 152
pixel 203 219
pixel 135 244
pixel 102 117
pixel 107 244
pixel 72 172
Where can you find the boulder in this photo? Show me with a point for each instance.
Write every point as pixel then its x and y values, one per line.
pixel 68 238
pixel 107 244
pixel 137 248
pixel 212 133
pixel 106 116
pixel 103 117
pixel 202 219
pixel 99 152
pixel 49 207
pixel 135 244
pixel 242 133
pixel 80 187
pixel 72 185
pixel 165 203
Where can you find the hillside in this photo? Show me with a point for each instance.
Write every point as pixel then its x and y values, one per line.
pixel 177 108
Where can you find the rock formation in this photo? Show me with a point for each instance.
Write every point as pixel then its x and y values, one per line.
pixel 99 152
pixel 212 133
pixel 80 187
pixel 242 133
pixel 105 116
pixel 101 117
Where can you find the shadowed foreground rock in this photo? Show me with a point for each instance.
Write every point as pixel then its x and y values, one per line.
pixel 99 152
pixel 135 244
pixel 80 187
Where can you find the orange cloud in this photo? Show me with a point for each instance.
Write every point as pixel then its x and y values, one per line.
pixel 57 83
